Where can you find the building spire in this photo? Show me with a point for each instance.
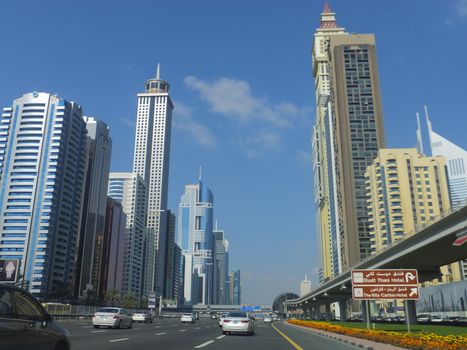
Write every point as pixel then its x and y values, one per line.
pixel 200 172
pixel 430 130
pixel 158 71
pixel 328 18
pixel 419 135
pixel 326 8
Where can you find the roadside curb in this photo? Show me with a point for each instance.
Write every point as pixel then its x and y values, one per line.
pixel 357 342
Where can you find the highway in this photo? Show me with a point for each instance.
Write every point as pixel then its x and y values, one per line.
pixel 168 334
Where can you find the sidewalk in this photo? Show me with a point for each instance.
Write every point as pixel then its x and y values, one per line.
pixel 361 343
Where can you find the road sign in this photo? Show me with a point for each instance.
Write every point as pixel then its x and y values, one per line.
pixel 385 284
pixel 152 301
pixel 9 270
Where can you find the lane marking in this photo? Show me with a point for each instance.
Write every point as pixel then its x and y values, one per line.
pixel 204 344
pixel 182 330
pixel 294 344
pixel 158 326
pixel 98 331
pixel 221 336
pixel 115 340
pixel 161 333
pixel 197 328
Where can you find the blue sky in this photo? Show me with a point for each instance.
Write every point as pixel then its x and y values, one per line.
pixel 240 75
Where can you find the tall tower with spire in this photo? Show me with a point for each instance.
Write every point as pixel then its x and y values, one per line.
pixel 151 162
pixel 347 134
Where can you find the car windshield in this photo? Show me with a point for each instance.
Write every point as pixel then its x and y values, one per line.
pixel 237 314
pixel 109 309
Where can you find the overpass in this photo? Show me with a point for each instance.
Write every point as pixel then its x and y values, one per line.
pixel 426 250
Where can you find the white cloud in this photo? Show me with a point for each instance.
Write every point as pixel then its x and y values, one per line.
pixel 262 142
pixel 183 120
pixel 304 157
pixel 461 8
pixel 128 122
pixel 234 98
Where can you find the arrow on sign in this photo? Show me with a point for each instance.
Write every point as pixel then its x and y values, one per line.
pixel 409 276
pixel 413 291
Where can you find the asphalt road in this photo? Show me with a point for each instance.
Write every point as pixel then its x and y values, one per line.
pixel 168 334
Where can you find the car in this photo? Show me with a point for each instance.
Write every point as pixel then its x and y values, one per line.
pixel 112 317
pixel 267 319
pixel 238 322
pixel 142 317
pixel 26 325
pixel 187 318
pixel 196 316
pixel 275 317
pixel 423 318
pixel 439 318
pixel 221 319
pixel 214 316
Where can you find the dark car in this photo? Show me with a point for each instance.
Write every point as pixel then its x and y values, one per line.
pixel 25 325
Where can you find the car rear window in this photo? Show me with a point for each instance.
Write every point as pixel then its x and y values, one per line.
pixel 108 309
pixel 237 314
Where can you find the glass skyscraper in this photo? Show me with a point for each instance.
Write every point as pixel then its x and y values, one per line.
pixel 42 170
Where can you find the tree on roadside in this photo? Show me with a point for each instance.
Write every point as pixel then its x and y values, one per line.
pixel 112 297
pixel 130 301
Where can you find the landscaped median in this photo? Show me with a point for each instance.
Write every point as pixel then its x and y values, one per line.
pixel 416 341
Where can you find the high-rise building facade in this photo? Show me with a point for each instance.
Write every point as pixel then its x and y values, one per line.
pixel 221 268
pixel 89 260
pixel 169 257
pixel 42 170
pixel 178 274
pixel 405 190
pixel 194 234
pixel 456 163
pixel 347 134
pixel 151 161
pixel 115 241
pixel 305 287
pixel 131 191
pixel 235 287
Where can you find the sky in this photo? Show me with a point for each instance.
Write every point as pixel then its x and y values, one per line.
pixel 241 81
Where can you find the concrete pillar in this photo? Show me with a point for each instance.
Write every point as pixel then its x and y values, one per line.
pixel 411 312
pixel 343 310
pixel 328 312
pixel 306 311
pixel 318 312
pixel 365 311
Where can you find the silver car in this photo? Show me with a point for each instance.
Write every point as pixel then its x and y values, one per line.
pixel 238 322
pixel 114 317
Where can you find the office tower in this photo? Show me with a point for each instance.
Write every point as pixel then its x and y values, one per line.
pixel 347 134
pixel 235 287
pixel 406 190
pixel 151 160
pixel 89 259
pixel 456 163
pixel 115 241
pixel 130 190
pixel 221 267
pixel 194 235
pixel 178 275
pixel 42 170
pixel 305 287
pixel 170 259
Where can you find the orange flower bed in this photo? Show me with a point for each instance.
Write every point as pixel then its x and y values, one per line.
pixel 415 341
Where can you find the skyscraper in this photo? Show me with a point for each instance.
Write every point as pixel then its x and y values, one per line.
pixel 235 287
pixel 194 235
pixel 221 267
pixel 169 257
pixel 151 160
pixel 89 261
pixel 346 137
pixel 130 190
pixel 42 170
pixel 305 287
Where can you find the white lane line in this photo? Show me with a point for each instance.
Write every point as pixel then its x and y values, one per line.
pixel 204 344
pixel 197 328
pixel 220 337
pixel 98 331
pixel 161 333
pixel 86 326
pixel 182 330
pixel 158 326
pixel 115 340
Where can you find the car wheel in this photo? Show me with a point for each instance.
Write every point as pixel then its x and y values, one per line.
pixel 96 326
pixel 130 325
pixel 224 333
pixel 119 323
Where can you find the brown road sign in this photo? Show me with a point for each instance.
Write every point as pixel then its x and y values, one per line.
pixel 385 292
pixel 384 277
pixel 385 284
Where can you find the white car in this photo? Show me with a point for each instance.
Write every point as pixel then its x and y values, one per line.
pixel 187 318
pixel 114 317
pixel 141 317
pixel 238 322
pixel 267 319
pixel 439 318
pixel 221 319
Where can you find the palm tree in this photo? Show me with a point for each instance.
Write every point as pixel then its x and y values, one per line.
pixel 112 297
pixel 130 301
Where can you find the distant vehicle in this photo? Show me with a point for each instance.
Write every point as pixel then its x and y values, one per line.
pixel 439 318
pixel 142 317
pixel 187 318
pixel 221 319
pixel 267 319
pixel 114 317
pixel 238 322
pixel 214 316
pixel 275 317
pixel 423 318
pixel 26 325
pixel 196 315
